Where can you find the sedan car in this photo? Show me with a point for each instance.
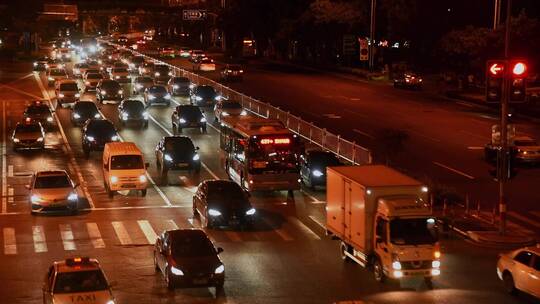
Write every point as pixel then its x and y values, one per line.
pixel 28 135
pixel 55 64
pixel 41 64
pixel 313 167
pixel 135 62
pixel 188 258
pixel 188 116
pixel 109 90
pixel 162 73
pixel 167 52
pixel 91 81
pixel 222 203
pixel 176 153
pixel 76 280
pixel 79 69
pixel 67 92
pixel 204 64
pixel 408 80
pixel 204 95
pixel 224 108
pixel 96 133
pixel 232 72
pixel 147 69
pixel 157 94
pixel 195 54
pixel 133 110
pixel 520 270
pixel 120 74
pixel 141 84
pixel 55 75
pixel 53 191
pixel 527 150
pixel 179 86
pixel 184 52
pixel 39 111
pixel 84 110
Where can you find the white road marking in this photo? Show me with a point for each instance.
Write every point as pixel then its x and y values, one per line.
pixel 95 235
pixel 524 219
pixel 234 236
pixel 453 170
pixel 71 155
pixel 121 233
pixel 475 148
pixel 172 225
pixel 313 198
pixel 40 244
pixel 331 116
pixel 10 171
pixel 466 104
pixel 4 159
pixel 10 195
pixel 10 243
pixel 148 231
pixel 316 221
pixel 280 231
pixel 363 133
pixel 303 227
pixel 67 237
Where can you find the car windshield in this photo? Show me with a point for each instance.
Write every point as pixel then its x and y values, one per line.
pixel 94 76
pixel 219 190
pixel 323 159
pixel 39 110
pixel 191 246
pixel 126 162
pixel 418 231
pixel 180 80
pixel 32 128
pixel 110 85
pixel 69 87
pixel 161 68
pixel 179 144
pixel 101 127
pixel 134 105
pixel 80 281
pixel 235 67
pixel 158 89
pixel 88 107
pixel 58 72
pixel 231 105
pixel 189 111
pixel 52 181
pixel 206 91
pixel 525 143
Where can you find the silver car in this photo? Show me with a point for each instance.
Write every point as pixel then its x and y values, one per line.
pixel 53 191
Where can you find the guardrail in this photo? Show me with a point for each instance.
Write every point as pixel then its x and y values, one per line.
pixel 345 149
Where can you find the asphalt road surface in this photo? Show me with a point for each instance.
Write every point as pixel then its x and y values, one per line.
pixel 286 258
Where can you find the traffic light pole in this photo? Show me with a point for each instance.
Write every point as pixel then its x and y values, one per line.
pixel 504 122
pixel 372 35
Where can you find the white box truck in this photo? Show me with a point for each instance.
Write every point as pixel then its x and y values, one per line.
pixel 383 220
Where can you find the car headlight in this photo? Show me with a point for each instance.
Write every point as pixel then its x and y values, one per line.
pixel 396 265
pixel 196 157
pixel 114 138
pixel 61 95
pixel 50 79
pixel 103 92
pixel 168 96
pixel 176 271
pixel 49 119
pixel 111 302
pixel 35 198
pixel 243 113
pixel 217 98
pixel 203 119
pixel 213 212
pixel 87 82
pixel 157 74
pixel 120 91
pixel 77 95
pixel 317 173
pixel 224 114
pixel 97 115
pixel 151 97
pixel 40 139
pixel 170 74
pixel 142 178
pixel 191 86
pixel 35 63
pixel 182 121
pixel 220 269
pixel 139 86
pixel 125 116
pixel 251 211
pixel 199 98
pixel 16 140
pixel 175 86
pixel 131 65
pixel 167 157
pixel 145 115
pixel 114 179
pixel 76 115
pixel 90 138
pixel 73 196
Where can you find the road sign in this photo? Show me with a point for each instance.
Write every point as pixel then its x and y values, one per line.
pixel 349 44
pixel 194 14
pixel 364 52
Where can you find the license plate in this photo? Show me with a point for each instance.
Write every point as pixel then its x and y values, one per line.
pixel 194 124
pixel 128 186
pixel 200 281
pixel 182 165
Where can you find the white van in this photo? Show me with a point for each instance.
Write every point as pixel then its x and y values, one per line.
pixel 124 168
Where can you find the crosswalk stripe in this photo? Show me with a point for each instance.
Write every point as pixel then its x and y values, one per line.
pixel 148 231
pixel 67 237
pixel 234 236
pixel 121 233
pixel 95 235
pixel 10 244
pixel 40 244
pixel 524 219
pixel 303 227
pixel 171 225
pixel 280 231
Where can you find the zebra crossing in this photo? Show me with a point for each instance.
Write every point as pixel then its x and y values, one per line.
pixel 106 234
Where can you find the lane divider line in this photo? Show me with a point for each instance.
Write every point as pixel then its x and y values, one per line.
pixel 121 233
pixel 148 231
pixel 295 221
pixel 95 235
pixel 453 170
pixel 71 155
pixel 38 235
pixel 4 159
pixel 67 237
pixel 10 243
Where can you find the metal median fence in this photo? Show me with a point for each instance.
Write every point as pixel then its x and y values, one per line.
pixel 346 150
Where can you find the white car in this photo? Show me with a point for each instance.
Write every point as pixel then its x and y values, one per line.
pixel 225 108
pixel 53 191
pixel 520 270
pixel 120 74
pixel 205 65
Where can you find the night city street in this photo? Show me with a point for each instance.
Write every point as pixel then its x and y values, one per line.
pixel 269 152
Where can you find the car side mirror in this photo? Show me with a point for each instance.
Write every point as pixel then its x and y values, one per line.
pixel 146 165
pixel 219 250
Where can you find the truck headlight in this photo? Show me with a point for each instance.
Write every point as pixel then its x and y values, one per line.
pixel 436 264
pixel 437 254
pixel 61 95
pixel 220 269
pixel 77 95
pixel 191 85
pixel 213 212
pixel 114 138
pixel 73 196
pixel 157 74
pixel 198 98
pixel 35 63
pixel 196 157
pixel 398 273
pixel 203 119
pixel 120 92
pixel 16 140
pixel 317 173
pixel 182 121
pixel 142 178
pixel 90 138
pixel 396 265
pixel 35 198
pixel 175 86
pixel 139 86
pixel 224 114
pixel 49 119
pixel 76 115
pixel 167 157
pixel 145 115
pixel 176 271
pixel 435 272
pixel 50 79
pixel 125 116
pixel 251 211
pixel 114 179
pixel 218 98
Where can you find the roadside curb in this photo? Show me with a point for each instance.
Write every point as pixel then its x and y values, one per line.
pixel 493 238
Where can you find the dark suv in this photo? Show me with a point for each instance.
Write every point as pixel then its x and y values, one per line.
pixel 188 116
pixel 179 86
pixel 133 110
pixel 84 110
pixel 109 90
pixel 176 153
pixel 204 95
pixel 96 133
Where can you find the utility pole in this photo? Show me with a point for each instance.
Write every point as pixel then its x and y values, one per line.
pixel 497 14
pixel 372 35
pixel 504 121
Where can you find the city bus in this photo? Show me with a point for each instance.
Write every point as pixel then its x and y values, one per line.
pixel 260 154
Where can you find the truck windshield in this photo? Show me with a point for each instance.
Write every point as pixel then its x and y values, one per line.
pixel 417 231
pixel 120 162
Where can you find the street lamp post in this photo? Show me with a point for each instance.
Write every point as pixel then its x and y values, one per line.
pixel 372 35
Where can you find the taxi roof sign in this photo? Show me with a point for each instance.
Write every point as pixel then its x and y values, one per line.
pixel 77 261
